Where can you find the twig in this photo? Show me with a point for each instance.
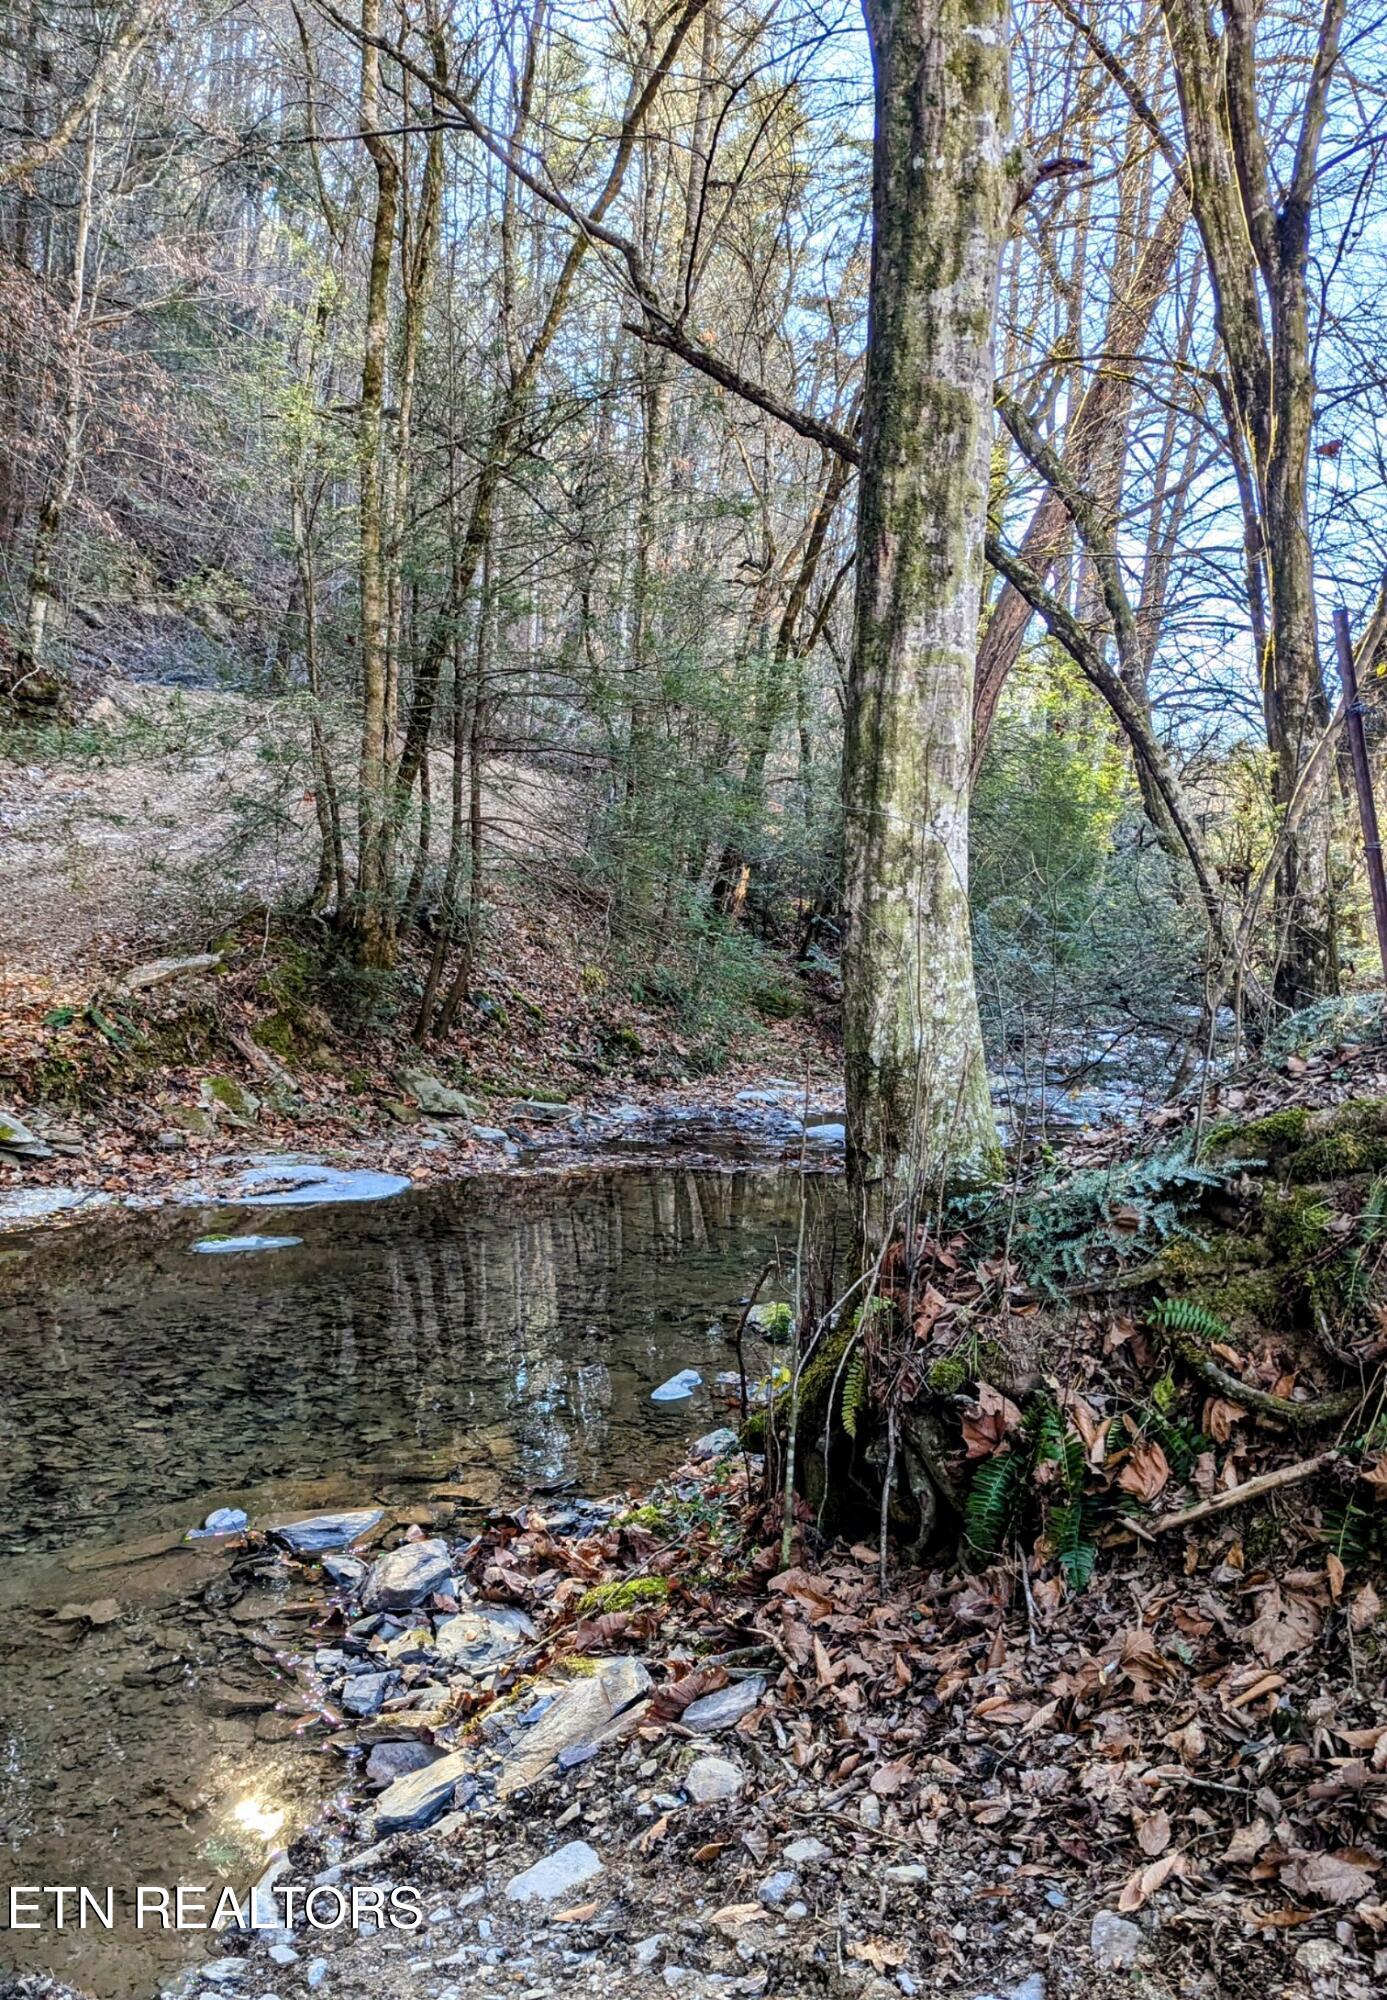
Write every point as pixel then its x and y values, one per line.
pixel 1265 1482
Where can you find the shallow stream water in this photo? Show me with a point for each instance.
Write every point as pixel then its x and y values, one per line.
pixel 452 1347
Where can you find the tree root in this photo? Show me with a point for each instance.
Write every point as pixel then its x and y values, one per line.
pixel 1299 1416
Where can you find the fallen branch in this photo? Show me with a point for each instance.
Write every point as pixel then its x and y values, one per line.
pixel 1251 1489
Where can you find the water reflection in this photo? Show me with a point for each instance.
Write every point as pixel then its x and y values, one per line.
pixel 501 1334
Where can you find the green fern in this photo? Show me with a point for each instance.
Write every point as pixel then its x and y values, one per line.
pixel 1105 1214
pixel 991 1507
pixel 1071 1527
pixel 1185 1316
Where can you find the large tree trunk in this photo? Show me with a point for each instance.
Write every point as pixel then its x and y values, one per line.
pixel 918 1105
pixel 372 913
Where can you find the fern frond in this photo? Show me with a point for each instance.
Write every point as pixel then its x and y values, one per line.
pixel 854 1391
pixel 990 1508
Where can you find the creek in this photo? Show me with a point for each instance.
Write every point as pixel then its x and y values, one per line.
pixel 449 1349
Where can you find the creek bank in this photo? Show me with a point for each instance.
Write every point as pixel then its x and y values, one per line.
pixel 751 1782
pixel 695 1127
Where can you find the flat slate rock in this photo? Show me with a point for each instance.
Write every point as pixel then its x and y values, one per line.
pixel 558 1874
pixel 407 1575
pixel 709 1780
pixel 678 1387
pixel 417 1799
pixel 389 1761
pixel 728 1705
pixel 233 1246
pixel 483 1635
pixel 315 1533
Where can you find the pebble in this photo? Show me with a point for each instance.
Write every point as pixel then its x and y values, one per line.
pixel 1113 1941
pixel 908 1872
pixel 284 1954
pixel 649 1949
pixel 777 1889
pixel 710 1779
pixel 315 1973
pixel 558 1873
pixel 806 1853
pixel 869 1811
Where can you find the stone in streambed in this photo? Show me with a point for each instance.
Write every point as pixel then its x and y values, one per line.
pixel 347 1572
pixel 417 1799
pixel 713 1444
pixel 223 1521
pixel 482 1636
pixel 364 1693
pixel 558 1874
pixel 677 1387
pixel 408 1575
pixel 313 1534
pixel 389 1761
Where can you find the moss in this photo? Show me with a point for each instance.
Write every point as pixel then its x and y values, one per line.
pixel 624 1595
pixel 1349 1140
pixel 1269 1138
pixel 948 1375
pixel 649 1517
pixel 1209 1273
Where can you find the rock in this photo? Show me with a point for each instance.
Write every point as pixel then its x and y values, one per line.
pixel 314 1973
pixel 417 1799
pixel 831 1134
pixel 777 1889
pixel 807 1853
pixel 541 1110
pixel 17 1139
pixel 558 1874
pixel 389 1761
pixel 909 1874
pixel 435 1099
pixel 710 1779
pixel 160 970
pixel 869 1811
pixel 309 1183
pixel 284 1954
pixel 728 1705
pixel 223 1971
pixel 586 1711
pixel 1114 1941
pixel 678 1387
pixel 364 1693
pixel 235 1246
pixel 223 1097
pixel 490 1135
pixel 103 1611
pixel 222 1521
pixel 407 1575
pixel 649 1949
pixel 482 1636
pixel 713 1444
pixel 312 1534
pixel 347 1572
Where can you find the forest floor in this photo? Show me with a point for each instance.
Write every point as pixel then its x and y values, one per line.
pixel 132 843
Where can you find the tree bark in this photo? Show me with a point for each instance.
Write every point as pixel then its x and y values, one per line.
pixel 943 186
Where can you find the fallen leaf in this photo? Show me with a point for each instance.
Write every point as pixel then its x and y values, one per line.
pixel 1146 1472
pixel 1146 1881
pixel 1284 1625
pixel 1247 1843
pixel 579 1914
pixel 1153 1831
pixel 1341 1877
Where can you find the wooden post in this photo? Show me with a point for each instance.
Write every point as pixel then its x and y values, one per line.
pixel 1362 777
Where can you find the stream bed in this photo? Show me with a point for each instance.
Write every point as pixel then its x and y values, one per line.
pixel 450 1348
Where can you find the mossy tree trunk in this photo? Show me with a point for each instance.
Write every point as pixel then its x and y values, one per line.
pixel 943 190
